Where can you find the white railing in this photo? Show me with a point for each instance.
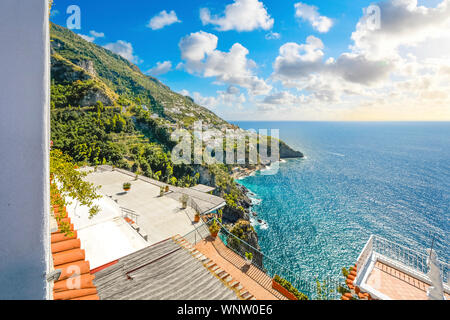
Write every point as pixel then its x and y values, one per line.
pixel 364 257
pixel 130 214
pixel 402 255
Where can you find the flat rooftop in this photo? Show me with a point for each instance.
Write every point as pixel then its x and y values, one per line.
pixel 386 270
pixel 163 271
pixel 106 236
pixel 203 188
pixel 396 284
pixel 159 217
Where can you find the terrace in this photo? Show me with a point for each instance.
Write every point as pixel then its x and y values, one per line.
pixel 388 271
pixel 156 217
pixel 228 253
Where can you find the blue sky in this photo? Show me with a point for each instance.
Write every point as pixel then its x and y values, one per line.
pixel 321 89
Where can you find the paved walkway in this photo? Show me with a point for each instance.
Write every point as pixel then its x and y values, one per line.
pixel 253 279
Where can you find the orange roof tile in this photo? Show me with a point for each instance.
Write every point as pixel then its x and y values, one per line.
pixel 84 281
pixel 349 281
pixel 58 237
pixel 68 256
pixel 65 245
pixel 68 269
pixel 76 293
pixel 70 259
pixel 90 297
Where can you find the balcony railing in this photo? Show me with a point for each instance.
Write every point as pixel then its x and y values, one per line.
pixel 130 214
pixel 307 284
pixel 397 254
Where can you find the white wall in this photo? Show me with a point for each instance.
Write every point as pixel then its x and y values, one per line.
pixel 24 145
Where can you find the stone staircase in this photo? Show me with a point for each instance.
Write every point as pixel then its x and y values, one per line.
pixel 214 269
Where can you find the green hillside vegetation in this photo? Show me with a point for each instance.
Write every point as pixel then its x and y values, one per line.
pixel 102 135
pixel 125 79
pixel 106 111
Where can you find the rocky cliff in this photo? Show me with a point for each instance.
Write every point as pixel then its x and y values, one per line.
pixel 287 152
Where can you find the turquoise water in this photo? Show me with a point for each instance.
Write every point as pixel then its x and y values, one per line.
pixel 389 179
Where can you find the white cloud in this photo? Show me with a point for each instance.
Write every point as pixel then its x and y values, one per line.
pixel 163 19
pixel 208 102
pixel 283 98
pixel 311 14
pixel 241 15
pixel 160 68
pixel 196 46
pixel 403 23
pixel 201 57
pixel 273 35
pixel 299 60
pixel 97 34
pixel 124 49
pixel 87 38
pixel 232 97
pixel 184 92
pixel 93 35
pixel 399 71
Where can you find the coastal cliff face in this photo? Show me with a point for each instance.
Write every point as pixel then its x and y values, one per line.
pixel 288 152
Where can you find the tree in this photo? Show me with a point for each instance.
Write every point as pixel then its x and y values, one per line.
pixel 99 106
pixel 71 183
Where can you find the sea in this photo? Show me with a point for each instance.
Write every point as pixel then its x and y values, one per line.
pixel 390 179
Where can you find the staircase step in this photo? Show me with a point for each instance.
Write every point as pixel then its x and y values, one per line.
pixel 218 271
pixel 198 255
pixel 246 295
pixel 214 268
pixel 202 258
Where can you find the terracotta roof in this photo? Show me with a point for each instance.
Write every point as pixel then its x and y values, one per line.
pixel 76 280
pixel 354 290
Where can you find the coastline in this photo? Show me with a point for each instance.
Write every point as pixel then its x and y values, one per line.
pixel 251 199
pixel 241 172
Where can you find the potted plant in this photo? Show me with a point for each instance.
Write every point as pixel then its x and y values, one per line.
pixel 214 229
pixel 248 258
pixel 197 217
pixel 126 186
pixel 166 189
pixel 184 201
pixel 161 191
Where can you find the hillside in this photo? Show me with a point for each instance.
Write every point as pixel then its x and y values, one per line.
pixel 106 111
pixel 123 78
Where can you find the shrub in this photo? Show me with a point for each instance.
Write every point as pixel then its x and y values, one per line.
pixel 214 227
pixel 249 255
pixel 289 287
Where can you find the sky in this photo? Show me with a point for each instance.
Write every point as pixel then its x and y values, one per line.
pixel 285 60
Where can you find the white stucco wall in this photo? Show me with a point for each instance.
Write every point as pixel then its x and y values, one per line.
pixel 24 145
